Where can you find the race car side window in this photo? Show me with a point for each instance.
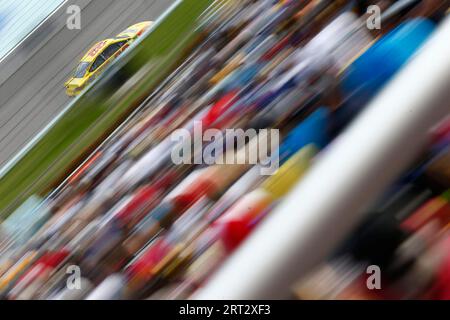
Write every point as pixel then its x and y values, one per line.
pixel 113 48
pixel 122 43
pixel 97 63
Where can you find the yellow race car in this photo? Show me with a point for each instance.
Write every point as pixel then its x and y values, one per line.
pixel 100 55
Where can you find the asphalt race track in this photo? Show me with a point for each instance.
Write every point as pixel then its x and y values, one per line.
pixel 34 94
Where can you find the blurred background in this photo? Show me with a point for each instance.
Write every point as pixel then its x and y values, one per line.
pixel 92 205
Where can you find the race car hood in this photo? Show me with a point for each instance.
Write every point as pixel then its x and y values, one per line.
pixel 75 85
pixel 75 82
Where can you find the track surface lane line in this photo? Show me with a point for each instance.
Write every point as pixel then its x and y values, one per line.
pixel 33 105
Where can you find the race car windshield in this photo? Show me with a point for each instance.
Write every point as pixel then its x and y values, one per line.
pixel 81 70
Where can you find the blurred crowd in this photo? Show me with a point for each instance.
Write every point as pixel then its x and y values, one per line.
pixel 138 226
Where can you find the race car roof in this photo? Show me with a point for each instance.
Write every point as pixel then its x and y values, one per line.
pixel 130 32
pixel 96 49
